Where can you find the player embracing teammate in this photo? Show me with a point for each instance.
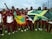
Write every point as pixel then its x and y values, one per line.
pixel 11 23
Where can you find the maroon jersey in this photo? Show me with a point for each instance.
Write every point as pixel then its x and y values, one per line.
pixel 37 21
pixel 43 22
pixel 18 12
pixel 9 20
pixel 26 11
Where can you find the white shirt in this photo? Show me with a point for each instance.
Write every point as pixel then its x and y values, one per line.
pixel 9 19
pixel 0 18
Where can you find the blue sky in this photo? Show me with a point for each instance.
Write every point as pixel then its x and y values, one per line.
pixel 24 3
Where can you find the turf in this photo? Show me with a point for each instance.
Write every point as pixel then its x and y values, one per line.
pixel 28 35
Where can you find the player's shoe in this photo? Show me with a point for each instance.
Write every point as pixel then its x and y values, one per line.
pixel 9 33
pixel 2 34
pixel 35 29
pixel 40 29
pixel 25 30
pixel 5 31
pixel 18 28
pixel 21 30
pixel 13 32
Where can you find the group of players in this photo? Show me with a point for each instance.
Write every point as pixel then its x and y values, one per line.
pixel 7 21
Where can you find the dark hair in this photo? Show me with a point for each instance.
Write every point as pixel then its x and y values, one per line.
pixel 3 10
pixel 45 8
pixel 31 8
pixel 17 8
pixel 39 8
pixel 12 6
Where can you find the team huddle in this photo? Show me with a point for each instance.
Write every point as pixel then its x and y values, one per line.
pixel 8 22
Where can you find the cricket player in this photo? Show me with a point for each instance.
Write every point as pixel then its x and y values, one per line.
pixel 1 23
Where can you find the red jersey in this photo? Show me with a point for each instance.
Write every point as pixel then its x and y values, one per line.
pixel 18 12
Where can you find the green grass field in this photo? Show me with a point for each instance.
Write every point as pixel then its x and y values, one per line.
pixel 28 35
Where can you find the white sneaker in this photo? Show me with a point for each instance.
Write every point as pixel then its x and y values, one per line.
pixel 18 28
pixel 41 29
pixel 5 31
pixel 25 30
pixel 13 32
pixel 21 30
pixel 2 34
pixel 35 29
pixel 9 33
